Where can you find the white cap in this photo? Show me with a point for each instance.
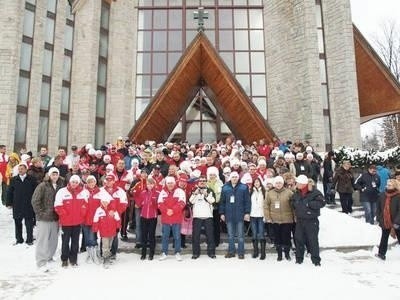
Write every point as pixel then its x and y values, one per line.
pixel 25 157
pixel 75 178
pixel 309 149
pixel 53 170
pixel 302 179
pixel 278 179
pixel 299 155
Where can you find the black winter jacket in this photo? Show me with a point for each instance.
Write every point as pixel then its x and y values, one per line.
pixel 307 207
pixel 394 209
pixel 19 195
pixel 368 185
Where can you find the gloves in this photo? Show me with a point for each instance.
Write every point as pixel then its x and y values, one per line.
pixel 396 226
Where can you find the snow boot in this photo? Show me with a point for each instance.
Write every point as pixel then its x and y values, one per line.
pixel 262 243
pixel 279 252
pixel 286 250
pixel 255 248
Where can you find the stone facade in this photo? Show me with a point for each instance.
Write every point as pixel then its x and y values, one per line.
pixel 121 70
pixel 84 73
pixel 11 22
pixel 342 77
pixel 295 107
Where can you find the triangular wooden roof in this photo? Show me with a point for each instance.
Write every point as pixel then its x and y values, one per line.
pixel 200 65
pixel 378 89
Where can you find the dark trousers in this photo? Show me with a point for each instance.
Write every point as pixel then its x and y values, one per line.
pixel 114 244
pixel 346 200
pixel 329 196
pixel 384 240
pixel 3 193
pixel 282 233
pixel 208 227
pixel 217 227
pixel 125 218
pixel 307 234
pixel 70 234
pixel 29 229
pixel 148 227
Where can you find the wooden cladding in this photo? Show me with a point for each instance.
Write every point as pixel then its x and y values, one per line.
pixel 378 90
pixel 200 66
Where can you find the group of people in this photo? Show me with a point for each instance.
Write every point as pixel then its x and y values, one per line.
pixel 100 193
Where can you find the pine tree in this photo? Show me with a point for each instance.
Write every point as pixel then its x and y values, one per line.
pixel 390 130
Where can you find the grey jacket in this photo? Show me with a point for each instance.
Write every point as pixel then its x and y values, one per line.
pixel 43 200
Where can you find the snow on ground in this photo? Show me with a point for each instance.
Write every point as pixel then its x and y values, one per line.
pixel 352 275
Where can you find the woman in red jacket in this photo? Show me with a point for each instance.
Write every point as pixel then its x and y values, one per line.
pixel 93 204
pixel 147 201
pixel 71 206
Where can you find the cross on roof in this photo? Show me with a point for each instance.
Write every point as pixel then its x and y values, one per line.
pixel 200 15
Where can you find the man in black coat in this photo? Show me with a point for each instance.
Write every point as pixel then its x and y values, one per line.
pixel 368 184
pixel 19 196
pixel 307 202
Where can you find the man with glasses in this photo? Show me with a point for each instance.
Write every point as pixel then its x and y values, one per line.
pixel 235 209
pixel 203 200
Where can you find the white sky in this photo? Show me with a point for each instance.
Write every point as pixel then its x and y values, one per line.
pixel 368 16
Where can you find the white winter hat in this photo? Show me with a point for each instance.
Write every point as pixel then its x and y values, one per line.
pixel 309 149
pixel 302 179
pixel 25 157
pixel 53 170
pixel 278 179
pixel 212 170
pixel 106 157
pixel 169 179
pixel 91 151
pixel 91 177
pixel 75 178
pixel 299 155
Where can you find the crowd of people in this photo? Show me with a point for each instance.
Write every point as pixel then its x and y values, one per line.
pixel 268 189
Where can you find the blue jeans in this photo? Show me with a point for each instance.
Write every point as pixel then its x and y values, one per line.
pixel 176 233
pixel 257 228
pixel 369 210
pixel 90 239
pixel 235 229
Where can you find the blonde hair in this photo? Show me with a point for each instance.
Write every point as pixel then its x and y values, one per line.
pixel 395 183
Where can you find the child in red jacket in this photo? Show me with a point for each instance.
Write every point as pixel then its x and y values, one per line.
pixel 106 221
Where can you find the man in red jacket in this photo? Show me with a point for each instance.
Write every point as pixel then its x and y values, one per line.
pixel 71 206
pixel 171 202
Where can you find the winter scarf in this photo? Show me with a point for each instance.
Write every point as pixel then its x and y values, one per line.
pixel 387 219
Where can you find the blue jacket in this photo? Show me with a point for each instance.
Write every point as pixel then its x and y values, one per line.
pixel 235 202
pixel 384 175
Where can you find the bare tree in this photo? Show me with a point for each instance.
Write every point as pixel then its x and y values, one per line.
pixel 388 47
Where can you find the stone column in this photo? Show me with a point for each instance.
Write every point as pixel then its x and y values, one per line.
pixel 84 72
pixel 121 70
pixel 342 76
pixel 11 24
pixel 292 65
pixel 32 125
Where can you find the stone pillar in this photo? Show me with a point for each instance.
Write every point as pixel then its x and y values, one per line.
pixel 32 125
pixel 57 78
pixel 84 72
pixel 121 70
pixel 11 23
pixel 342 76
pixel 292 65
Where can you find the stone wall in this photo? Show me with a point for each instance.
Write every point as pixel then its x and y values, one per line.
pixel 84 73
pixel 342 76
pixel 11 20
pixel 292 64
pixel 121 70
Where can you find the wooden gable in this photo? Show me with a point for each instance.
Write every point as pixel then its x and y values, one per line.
pixel 200 65
pixel 378 89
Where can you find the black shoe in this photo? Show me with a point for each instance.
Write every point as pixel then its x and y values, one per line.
pixel 184 246
pixel 143 257
pixel 138 246
pixel 151 257
pixel 299 261
pixel 195 256
pixel 380 256
pixel 29 243
pixel 241 256
pixel 64 264
pixel 124 238
pixel 113 257
pixel 229 255
pixel 74 264
pixel 317 264
pixel 82 250
pixel 18 242
pixel 212 256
